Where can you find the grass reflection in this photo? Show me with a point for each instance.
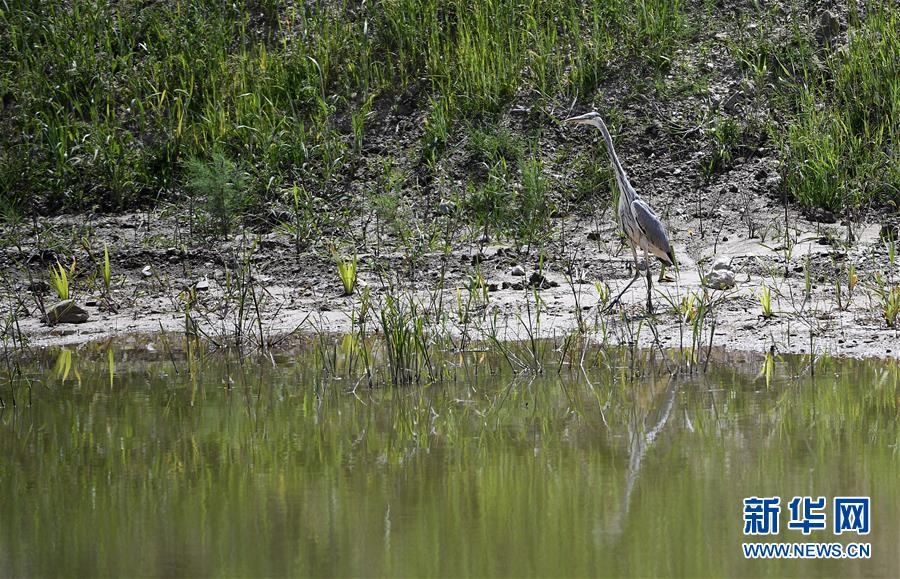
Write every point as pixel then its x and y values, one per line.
pixel 217 466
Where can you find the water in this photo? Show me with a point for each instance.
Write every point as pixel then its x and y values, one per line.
pixel 259 469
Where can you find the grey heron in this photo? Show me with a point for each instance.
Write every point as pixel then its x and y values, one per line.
pixel 640 224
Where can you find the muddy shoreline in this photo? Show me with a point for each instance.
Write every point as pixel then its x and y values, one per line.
pixel 489 289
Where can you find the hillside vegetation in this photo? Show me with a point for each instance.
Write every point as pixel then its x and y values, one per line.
pixel 120 105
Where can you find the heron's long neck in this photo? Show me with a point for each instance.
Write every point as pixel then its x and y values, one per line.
pixel 621 177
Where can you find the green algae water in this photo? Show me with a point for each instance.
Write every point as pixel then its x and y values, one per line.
pixel 135 463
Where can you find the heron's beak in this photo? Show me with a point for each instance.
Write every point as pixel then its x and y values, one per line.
pixel 581 119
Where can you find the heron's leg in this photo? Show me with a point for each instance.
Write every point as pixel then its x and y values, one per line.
pixel 649 284
pixel 663 276
pixel 637 274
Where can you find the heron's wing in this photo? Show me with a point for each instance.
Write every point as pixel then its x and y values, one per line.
pixel 652 231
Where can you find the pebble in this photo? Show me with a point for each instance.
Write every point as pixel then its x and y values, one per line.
pixel 147 271
pixel 517 271
pixel 202 285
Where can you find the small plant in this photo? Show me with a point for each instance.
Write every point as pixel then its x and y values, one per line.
pixel 602 294
pixel 534 210
pixel 890 306
pixel 347 273
pixel 478 288
pixel 358 122
pixel 687 310
pixel 807 278
pixel 852 280
pixel 726 137
pixel 765 300
pixel 106 271
pixel 59 279
pixel 223 187
pixel 303 223
pixel 437 130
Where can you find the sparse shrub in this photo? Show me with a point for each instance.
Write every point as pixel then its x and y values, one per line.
pixel 533 209
pixel 725 138
pixel 437 129
pixel 490 145
pixel 222 186
pixel 489 204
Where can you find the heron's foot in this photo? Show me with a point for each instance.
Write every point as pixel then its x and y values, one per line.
pixel 665 276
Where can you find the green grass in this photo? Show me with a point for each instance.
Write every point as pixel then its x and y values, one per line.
pixel 103 102
pixel 840 149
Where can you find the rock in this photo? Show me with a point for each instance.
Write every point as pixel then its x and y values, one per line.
pixel 889 232
pixel 719 279
pixel 829 27
pixel 147 271
pixel 44 256
pixel 492 287
pixel 517 271
pixel 721 263
pixel 445 208
pixel 822 215
pixel 539 281
pixel 273 240
pixel 512 285
pixel 174 254
pixel 202 285
pixel 66 312
pixel 38 286
pixel 64 332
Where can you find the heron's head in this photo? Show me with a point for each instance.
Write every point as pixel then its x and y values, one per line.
pixel 591 118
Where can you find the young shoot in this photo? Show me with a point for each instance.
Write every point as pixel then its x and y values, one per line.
pixel 602 294
pixel 347 273
pixel 107 271
pixel 765 300
pixel 59 279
